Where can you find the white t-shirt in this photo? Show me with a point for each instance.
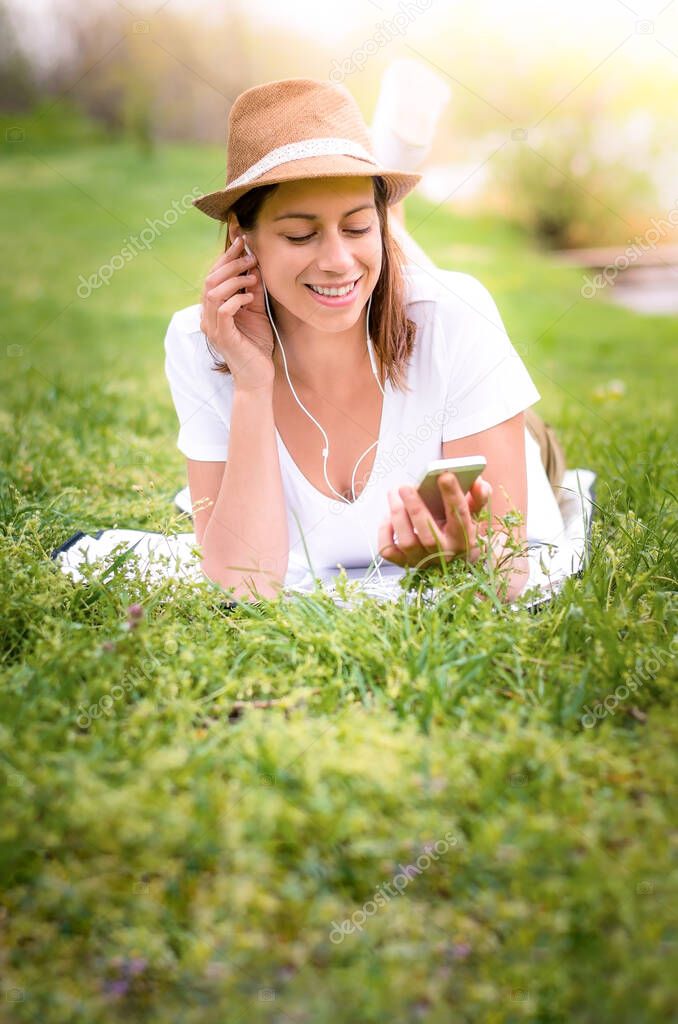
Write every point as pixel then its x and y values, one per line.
pixel 465 376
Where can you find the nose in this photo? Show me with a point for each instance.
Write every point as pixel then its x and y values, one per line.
pixel 335 254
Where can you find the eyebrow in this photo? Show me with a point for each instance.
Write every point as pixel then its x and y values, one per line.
pixel 314 216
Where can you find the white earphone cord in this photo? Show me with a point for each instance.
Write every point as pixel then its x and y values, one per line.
pixel 376 559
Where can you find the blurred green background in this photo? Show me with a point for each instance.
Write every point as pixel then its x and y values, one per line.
pixel 182 855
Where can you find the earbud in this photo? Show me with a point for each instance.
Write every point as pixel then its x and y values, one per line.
pixel 247 248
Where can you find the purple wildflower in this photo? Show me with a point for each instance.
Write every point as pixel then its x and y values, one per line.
pixel 118 987
pixel 460 950
pixel 135 614
pixel 136 965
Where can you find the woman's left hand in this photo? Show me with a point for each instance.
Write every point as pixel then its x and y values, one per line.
pixel 410 537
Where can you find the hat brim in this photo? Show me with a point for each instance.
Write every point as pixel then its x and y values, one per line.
pixel 398 183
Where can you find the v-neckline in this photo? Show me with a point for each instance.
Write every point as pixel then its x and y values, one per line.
pixel 380 438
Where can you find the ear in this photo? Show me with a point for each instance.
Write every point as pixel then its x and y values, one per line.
pixel 234 229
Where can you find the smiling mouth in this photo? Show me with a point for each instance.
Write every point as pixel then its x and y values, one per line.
pixel 334 290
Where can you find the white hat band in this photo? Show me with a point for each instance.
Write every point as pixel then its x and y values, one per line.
pixel 301 150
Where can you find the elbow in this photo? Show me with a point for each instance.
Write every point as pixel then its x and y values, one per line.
pixel 517 580
pixel 263 580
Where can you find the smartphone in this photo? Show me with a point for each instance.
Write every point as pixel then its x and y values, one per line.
pixel 466 470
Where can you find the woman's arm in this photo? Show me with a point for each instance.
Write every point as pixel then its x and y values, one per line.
pixel 502 445
pixel 239 505
pixel 410 537
pixel 504 448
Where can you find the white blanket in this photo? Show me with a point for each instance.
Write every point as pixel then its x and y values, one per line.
pixel 158 556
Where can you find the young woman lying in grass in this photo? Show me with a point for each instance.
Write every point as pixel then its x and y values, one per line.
pixel 284 391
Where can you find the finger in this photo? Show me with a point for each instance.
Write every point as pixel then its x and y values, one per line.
pixel 402 524
pixel 454 499
pixel 421 517
pixel 228 282
pixel 408 541
pixel 232 251
pixel 386 545
pixel 458 517
pixel 479 495
pixel 234 260
pixel 226 312
pixel 219 302
pixel 231 307
pixel 223 291
pixel 212 321
pixel 221 273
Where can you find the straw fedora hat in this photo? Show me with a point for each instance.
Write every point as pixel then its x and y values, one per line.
pixel 297 128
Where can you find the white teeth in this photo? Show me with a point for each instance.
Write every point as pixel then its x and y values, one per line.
pixel 333 291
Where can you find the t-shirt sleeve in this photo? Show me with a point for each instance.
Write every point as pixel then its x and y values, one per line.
pixel 201 396
pixel 487 381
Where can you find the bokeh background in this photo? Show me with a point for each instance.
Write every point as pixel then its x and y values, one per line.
pixel 191 799
pixel 562 115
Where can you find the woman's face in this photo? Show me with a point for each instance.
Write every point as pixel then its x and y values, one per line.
pixel 336 242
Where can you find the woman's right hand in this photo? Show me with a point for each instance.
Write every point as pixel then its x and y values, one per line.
pixel 237 325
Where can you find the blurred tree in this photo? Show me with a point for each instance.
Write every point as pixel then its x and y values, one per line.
pixel 18 87
pixel 171 75
pixel 576 181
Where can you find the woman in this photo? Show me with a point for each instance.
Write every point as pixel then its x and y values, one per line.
pixel 283 393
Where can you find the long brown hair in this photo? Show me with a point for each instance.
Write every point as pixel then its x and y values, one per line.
pixel 392 332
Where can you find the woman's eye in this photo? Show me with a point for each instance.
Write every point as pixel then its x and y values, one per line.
pixel 351 231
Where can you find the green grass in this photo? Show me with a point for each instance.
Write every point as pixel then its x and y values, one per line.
pixel 172 852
